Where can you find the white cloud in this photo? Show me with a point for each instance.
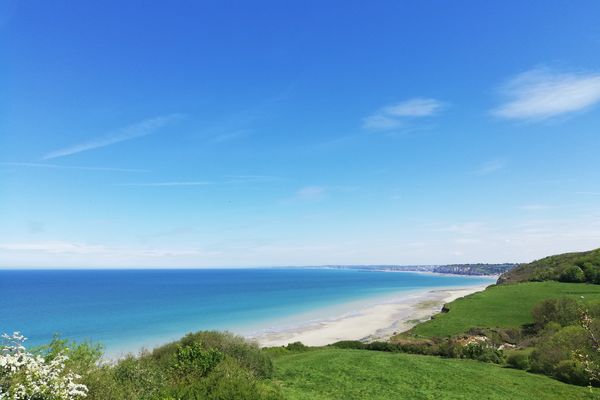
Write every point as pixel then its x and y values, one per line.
pixel 158 184
pixel 229 179
pixel 227 136
pixel 543 93
pixel 586 193
pixel 66 248
pixel 466 228
pixel 139 129
pixel 535 207
pixel 418 107
pixel 55 166
pixel 382 122
pixel 54 247
pixel 251 178
pixel 311 193
pixel 490 167
pixel 395 115
pixel 499 240
pixel 466 241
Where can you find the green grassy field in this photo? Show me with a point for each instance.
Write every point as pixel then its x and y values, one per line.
pixel 361 374
pixel 505 306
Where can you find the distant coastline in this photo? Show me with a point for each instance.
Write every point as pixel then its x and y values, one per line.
pixel 479 269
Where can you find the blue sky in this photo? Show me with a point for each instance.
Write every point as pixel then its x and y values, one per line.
pixel 295 133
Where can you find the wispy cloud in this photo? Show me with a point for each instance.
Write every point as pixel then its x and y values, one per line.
pixel 395 115
pixel 466 228
pixel 311 193
pixel 227 136
pixel 139 129
pixel 59 247
pixel 589 193
pixel 535 207
pixel 490 167
pixel 227 180
pixel 251 178
pixel 543 93
pixel 55 166
pixel 188 183
pixel 316 193
pixel 54 247
pixel 419 107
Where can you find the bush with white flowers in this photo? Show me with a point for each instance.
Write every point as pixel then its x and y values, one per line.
pixel 25 376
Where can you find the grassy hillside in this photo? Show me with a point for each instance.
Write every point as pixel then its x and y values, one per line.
pixel 506 306
pixel 357 374
pixel 564 267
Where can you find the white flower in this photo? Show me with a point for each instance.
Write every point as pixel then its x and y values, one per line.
pixel 24 376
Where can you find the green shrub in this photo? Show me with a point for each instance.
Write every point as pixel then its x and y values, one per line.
pixel 82 357
pixel 593 308
pixel 247 354
pixel 590 272
pixel 564 311
pixel 193 361
pixel 349 344
pixel 382 346
pixel 482 352
pixel 543 275
pixel 450 349
pixel 228 381
pixel 518 360
pixel 573 274
pixel 571 371
pixel 203 365
pixel 275 351
pixel 296 346
pixel 560 346
pixel 136 378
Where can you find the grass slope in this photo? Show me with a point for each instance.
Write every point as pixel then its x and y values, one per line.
pixel 550 267
pixel 500 306
pixel 360 374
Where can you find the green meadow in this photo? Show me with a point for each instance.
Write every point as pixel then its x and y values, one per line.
pixel 500 306
pixel 358 374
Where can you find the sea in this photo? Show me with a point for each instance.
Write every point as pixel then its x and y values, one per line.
pixel 128 309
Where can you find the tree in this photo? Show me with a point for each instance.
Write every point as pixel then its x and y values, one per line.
pixel 572 274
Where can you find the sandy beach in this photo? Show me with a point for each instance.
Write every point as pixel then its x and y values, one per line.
pixel 369 322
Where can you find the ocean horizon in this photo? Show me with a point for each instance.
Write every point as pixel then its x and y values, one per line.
pixel 126 310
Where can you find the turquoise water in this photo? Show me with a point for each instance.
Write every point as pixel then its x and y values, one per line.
pixel 128 309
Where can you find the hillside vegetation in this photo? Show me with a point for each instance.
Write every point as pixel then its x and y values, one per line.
pixel 548 327
pixel 357 374
pixel 568 267
pixel 499 306
pixel 506 342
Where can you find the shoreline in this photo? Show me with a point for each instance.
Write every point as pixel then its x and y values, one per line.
pixel 368 322
pixel 376 317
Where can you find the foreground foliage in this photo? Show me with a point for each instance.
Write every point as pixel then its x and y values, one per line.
pixel 27 376
pixel 203 365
